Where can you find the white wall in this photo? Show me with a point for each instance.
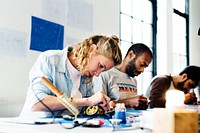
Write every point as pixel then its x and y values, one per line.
pixel 15 15
pixel 164 36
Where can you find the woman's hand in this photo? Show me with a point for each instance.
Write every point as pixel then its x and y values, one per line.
pixel 102 100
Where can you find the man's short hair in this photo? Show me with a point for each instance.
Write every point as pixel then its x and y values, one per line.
pixel 139 48
pixel 193 73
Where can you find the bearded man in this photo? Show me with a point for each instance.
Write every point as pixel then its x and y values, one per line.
pixel 119 83
pixel 187 79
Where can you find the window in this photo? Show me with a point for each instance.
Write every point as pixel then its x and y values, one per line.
pixel 137 25
pixel 180 35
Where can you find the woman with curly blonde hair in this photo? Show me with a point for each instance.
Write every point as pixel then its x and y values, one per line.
pixel 71 71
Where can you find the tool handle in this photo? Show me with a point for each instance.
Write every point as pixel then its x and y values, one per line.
pixel 53 88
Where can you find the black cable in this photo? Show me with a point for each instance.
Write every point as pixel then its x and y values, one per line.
pixel 75 124
pixel 52 113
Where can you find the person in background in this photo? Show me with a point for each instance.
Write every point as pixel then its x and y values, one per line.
pixel 119 83
pixel 71 71
pixel 187 79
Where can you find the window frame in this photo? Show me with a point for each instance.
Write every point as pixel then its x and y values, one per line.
pixel 154 32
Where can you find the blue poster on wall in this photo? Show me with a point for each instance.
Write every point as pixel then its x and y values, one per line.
pixel 46 35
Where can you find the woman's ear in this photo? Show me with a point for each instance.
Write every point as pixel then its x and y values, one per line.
pixel 93 47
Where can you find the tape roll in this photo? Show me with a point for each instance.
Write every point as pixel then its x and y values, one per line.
pixel 94 110
pixel 91 110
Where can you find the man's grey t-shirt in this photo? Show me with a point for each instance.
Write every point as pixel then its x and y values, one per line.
pixel 115 84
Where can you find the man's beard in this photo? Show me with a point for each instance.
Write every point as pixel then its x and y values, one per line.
pixel 131 69
pixel 180 86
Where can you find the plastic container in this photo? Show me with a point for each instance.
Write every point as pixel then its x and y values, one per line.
pixel 120 112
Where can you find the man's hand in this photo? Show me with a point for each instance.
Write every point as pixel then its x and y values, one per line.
pixel 190 98
pixel 138 102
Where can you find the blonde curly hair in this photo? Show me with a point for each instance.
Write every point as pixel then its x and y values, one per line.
pixel 106 46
